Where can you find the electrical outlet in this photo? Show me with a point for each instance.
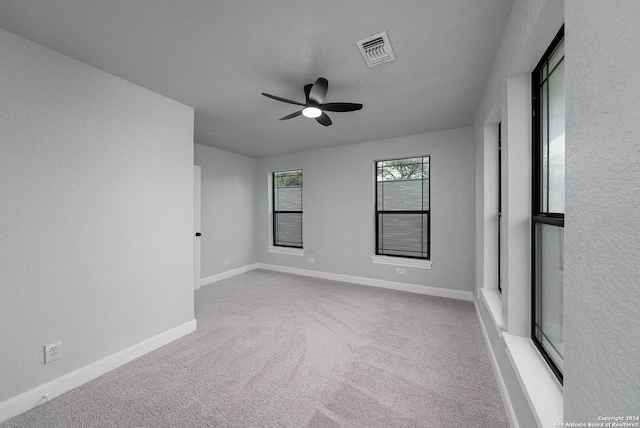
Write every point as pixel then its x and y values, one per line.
pixel 400 270
pixel 225 262
pixel 312 260
pixel 52 352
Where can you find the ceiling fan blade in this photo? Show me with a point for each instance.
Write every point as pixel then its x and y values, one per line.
pixel 307 90
pixel 340 107
pixel 319 90
pixel 284 100
pixel 324 119
pixel 292 115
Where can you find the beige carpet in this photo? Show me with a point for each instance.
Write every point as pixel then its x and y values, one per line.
pixel 280 350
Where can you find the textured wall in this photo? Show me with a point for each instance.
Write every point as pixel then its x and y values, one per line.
pixel 338 200
pixel 228 209
pixel 602 232
pixel 96 214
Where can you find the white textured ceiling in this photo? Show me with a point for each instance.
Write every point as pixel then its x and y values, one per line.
pixel 219 56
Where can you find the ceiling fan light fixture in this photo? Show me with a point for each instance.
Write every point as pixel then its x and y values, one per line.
pixel 314 106
pixel 312 112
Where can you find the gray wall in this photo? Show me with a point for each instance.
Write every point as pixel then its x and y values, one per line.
pixel 96 214
pixel 602 232
pixel 338 204
pixel 531 27
pixel 228 209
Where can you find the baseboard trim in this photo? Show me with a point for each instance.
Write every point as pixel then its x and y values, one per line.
pixel 401 286
pixel 504 393
pixel 46 392
pixel 228 274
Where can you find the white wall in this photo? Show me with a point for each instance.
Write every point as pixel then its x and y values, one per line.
pixel 602 231
pixel 96 214
pixel 338 204
pixel 228 209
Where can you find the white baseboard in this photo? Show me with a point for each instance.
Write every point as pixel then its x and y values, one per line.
pixel 401 286
pixel 504 393
pixel 228 274
pixel 43 393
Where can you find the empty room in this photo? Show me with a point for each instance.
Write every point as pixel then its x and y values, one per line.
pixel 419 213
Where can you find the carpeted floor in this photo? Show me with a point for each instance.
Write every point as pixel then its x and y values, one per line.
pixel 280 350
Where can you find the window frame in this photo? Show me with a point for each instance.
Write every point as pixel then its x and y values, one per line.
pixel 377 251
pixel 539 217
pixel 274 211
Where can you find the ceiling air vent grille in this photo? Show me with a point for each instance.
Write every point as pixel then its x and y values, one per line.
pixel 376 49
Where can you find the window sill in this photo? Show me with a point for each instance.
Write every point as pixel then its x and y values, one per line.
pixel 287 250
pixel 493 302
pixel 398 261
pixel 541 387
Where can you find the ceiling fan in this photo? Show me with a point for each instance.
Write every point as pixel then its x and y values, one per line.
pixel 313 106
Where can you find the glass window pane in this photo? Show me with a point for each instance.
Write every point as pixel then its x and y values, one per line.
pixel 400 169
pixel 289 198
pixel 425 184
pixel 400 195
pixel 402 234
pixel 556 56
pixel 556 141
pixel 544 149
pixel 288 229
pixel 549 270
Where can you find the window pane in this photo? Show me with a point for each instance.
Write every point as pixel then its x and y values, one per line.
pixel 402 169
pixel 288 229
pixel 544 148
pixel 556 56
pixel 403 234
pixel 400 195
pixel 556 140
pixel 289 198
pixel 549 271
pixel 425 191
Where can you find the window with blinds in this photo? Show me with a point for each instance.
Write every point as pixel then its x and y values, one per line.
pixel 287 209
pixel 402 208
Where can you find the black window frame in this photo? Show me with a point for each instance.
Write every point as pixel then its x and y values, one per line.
pixel 275 212
pixel 538 216
pixel 423 211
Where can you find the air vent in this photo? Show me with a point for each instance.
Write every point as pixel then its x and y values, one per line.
pixel 376 49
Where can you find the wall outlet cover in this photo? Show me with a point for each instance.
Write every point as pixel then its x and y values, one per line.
pixel 52 352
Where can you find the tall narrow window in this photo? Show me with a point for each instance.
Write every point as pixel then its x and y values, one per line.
pixel 548 205
pixel 287 209
pixel 402 207
pixel 499 207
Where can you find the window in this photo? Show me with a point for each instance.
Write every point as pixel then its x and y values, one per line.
pixel 548 205
pixel 500 207
pixel 402 207
pixel 287 209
